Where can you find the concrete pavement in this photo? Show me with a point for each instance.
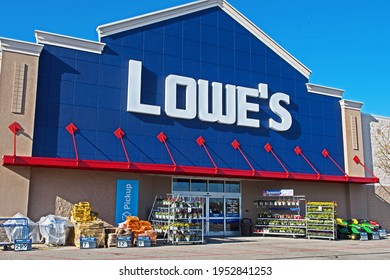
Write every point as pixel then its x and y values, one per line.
pixel 226 248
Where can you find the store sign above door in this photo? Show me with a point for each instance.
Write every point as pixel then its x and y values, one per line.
pixel 197 101
pixel 282 192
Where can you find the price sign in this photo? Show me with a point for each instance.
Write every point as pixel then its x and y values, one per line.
pixel 87 243
pixel 123 242
pixel 375 236
pixel 363 236
pixel 382 233
pixel 143 241
pixel 23 244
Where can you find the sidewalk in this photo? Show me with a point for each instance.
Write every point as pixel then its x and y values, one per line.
pixel 226 248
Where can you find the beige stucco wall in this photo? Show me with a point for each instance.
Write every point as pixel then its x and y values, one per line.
pixel 350 110
pixel 378 195
pixel 95 187
pixel 14 183
pixel 354 146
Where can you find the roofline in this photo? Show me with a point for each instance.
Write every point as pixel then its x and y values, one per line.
pixel 267 40
pixel 350 104
pixel 377 116
pixel 323 90
pixel 158 16
pixel 153 17
pixel 21 47
pixel 47 38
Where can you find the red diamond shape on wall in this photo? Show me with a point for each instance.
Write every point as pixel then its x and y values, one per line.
pixel 15 127
pixel 200 141
pixel 356 159
pixel 119 133
pixel 268 147
pixel 235 144
pixel 162 137
pixel 298 150
pixel 71 128
pixel 325 153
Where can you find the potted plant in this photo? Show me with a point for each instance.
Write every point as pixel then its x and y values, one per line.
pixel 177 237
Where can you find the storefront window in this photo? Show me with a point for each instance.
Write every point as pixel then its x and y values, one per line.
pixel 204 185
pixel 215 186
pixel 181 185
pixel 198 185
pixel 232 187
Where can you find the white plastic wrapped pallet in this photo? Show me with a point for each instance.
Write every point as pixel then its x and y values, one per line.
pixel 54 229
pixel 17 231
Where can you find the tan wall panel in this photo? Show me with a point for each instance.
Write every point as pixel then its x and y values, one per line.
pixel 14 185
pixel 14 190
pixel 353 141
pixel 378 205
pixel 26 119
pixel 98 188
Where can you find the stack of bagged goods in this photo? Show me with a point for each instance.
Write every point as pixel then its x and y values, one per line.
pixel 90 230
pixel 138 228
pixel 148 231
pixel 119 232
pixel 54 229
pixel 86 225
pixel 82 212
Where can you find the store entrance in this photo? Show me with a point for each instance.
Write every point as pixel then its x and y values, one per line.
pixel 222 215
pixel 222 203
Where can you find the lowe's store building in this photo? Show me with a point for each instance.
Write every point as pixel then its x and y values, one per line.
pixel 195 100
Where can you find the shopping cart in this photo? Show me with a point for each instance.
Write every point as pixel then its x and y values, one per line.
pixel 13 230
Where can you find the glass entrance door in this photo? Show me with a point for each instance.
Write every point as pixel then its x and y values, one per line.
pixel 233 215
pixel 222 203
pixel 215 213
pixel 222 216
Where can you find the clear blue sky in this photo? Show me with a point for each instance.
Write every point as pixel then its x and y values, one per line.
pixel 346 44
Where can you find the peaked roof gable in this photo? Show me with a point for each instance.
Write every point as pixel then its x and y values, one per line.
pixel 147 19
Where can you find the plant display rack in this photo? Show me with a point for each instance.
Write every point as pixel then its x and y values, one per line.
pixel 282 216
pixel 178 218
pixel 321 220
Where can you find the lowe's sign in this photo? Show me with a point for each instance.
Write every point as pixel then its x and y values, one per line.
pixel 196 93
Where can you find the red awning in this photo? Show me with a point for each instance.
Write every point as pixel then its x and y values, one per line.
pixel 176 170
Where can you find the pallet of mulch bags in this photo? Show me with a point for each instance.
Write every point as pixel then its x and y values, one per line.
pixel 119 232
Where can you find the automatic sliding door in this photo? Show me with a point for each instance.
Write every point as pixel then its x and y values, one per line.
pixel 232 216
pixel 216 216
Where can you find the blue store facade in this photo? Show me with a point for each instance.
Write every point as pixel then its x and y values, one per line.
pixel 194 99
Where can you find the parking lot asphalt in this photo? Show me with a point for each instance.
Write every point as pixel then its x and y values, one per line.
pixel 224 248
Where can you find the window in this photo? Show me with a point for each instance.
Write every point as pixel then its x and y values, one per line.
pixel 232 187
pixel 181 185
pixel 215 186
pixel 204 185
pixel 198 185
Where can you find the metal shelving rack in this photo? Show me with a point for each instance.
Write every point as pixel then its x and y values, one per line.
pixel 321 220
pixel 283 217
pixel 179 218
